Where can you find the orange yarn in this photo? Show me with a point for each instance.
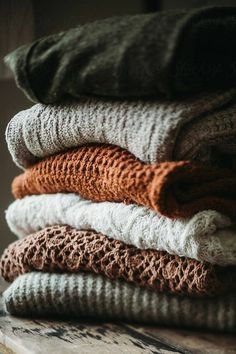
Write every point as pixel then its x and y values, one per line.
pixel 110 173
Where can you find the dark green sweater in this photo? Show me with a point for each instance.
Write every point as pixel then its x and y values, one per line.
pixel 172 54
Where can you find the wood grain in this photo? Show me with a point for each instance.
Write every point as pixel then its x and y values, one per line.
pixel 4 350
pixel 39 336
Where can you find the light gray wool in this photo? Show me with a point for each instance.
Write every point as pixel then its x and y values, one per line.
pixel 90 295
pixel 207 236
pixel 199 128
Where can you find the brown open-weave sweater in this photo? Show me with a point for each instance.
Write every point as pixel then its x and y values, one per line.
pixel 64 249
pixel 110 173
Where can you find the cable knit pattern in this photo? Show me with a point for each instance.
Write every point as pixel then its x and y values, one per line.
pixel 64 249
pixel 154 131
pixel 207 236
pixel 110 173
pixel 89 295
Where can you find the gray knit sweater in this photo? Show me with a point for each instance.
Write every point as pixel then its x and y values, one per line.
pixel 202 128
pixel 89 295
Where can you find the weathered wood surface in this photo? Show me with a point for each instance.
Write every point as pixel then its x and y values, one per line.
pixel 37 336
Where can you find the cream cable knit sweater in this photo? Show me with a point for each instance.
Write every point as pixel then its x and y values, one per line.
pixel 208 236
pixel 89 295
pixel 154 131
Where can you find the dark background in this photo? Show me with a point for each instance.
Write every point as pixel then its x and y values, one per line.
pixel 25 20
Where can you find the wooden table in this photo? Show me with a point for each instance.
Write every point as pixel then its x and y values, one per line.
pixel 27 336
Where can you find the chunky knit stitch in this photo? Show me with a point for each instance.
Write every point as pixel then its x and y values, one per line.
pixel 207 236
pixel 89 295
pixel 63 249
pixel 110 173
pixel 166 52
pixel 200 128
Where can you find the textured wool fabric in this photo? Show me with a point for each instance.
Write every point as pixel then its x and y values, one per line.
pixel 207 236
pixel 64 249
pixel 201 128
pixel 110 173
pixel 171 53
pixel 89 295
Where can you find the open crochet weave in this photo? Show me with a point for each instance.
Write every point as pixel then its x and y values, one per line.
pixel 207 236
pixel 86 295
pixel 110 173
pixel 64 249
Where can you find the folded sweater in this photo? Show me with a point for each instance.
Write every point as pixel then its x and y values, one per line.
pixel 93 296
pixel 110 173
pixel 207 236
pixel 171 53
pixel 201 128
pixel 64 249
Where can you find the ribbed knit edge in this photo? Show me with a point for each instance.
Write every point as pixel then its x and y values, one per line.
pixel 88 295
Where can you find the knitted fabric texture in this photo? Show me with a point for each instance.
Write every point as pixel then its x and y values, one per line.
pixel 207 236
pixel 201 128
pixel 110 173
pixel 167 52
pixel 89 295
pixel 63 249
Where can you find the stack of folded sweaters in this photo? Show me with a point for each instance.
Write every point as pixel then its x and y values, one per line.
pixel 127 204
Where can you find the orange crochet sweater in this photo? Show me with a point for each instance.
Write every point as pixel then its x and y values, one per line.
pixel 64 249
pixel 110 173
